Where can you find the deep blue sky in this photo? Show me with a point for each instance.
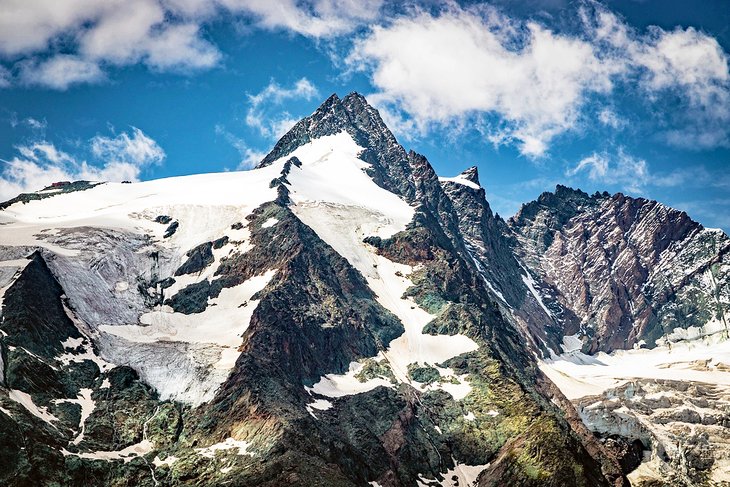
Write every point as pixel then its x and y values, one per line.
pixel 630 96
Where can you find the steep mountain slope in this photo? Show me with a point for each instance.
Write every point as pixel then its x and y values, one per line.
pixel 633 271
pixel 490 245
pixel 329 318
pixel 651 287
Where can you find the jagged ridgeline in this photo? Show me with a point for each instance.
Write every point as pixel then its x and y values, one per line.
pixel 338 316
pixel 631 272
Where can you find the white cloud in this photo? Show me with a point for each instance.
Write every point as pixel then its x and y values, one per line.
pixel 137 31
pixel 28 25
pixel 317 18
pixel 596 165
pixel 180 47
pixel 682 64
pixel 620 169
pixel 537 83
pixel 610 118
pixel 60 72
pixel 96 34
pixel 274 93
pixel 162 34
pixel 5 77
pixel 36 124
pixel 259 114
pixel 249 157
pixel 41 163
pixel 462 62
pixel 137 148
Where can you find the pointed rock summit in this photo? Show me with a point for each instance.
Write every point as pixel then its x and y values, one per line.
pixel 352 114
pixel 471 174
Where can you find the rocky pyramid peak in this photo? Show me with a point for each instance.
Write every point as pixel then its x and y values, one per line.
pixel 352 114
pixel 391 167
pixel 471 174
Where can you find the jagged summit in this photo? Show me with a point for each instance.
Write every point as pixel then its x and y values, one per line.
pixel 391 166
pixel 471 174
pixel 566 192
pixel 560 205
pixel 352 114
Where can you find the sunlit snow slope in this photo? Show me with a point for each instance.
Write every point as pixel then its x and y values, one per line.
pixel 111 229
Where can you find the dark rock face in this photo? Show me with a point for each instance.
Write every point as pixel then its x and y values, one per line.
pixel 33 314
pixel 630 453
pixel 48 192
pixel 38 331
pixel 489 243
pixel 220 242
pixel 319 310
pixel 626 269
pixel 191 299
pixel 503 374
pixel 171 229
pixel 199 258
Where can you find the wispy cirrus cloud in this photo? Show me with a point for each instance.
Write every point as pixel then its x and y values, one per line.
pixel 249 156
pixel 619 169
pixel 118 157
pixel 266 113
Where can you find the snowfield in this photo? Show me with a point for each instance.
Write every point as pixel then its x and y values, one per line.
pixel 579 375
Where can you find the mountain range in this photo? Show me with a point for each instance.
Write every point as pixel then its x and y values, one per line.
pixel 342 316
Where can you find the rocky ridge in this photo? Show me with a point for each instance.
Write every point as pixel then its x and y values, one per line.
pixel 630 271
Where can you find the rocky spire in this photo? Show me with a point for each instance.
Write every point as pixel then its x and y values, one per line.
pixel 390 164
pixel 352 114
pixel 471 174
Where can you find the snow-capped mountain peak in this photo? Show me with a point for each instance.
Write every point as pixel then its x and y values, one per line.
pixel 338 315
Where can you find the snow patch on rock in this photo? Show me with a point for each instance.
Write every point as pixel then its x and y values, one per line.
pixel 168 461
pixel 319 404
pixel 269 223
pixel 24 399
pixel 338 385
pixel 460 180
pixel 87 407
pixel 228 444
pixel 127 454
pixel 461 475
